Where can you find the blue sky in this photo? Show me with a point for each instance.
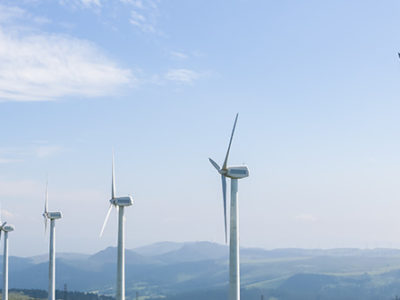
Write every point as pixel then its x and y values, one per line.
pixel 316 84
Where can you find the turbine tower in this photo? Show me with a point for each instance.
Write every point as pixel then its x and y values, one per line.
pixel 52 216
pixel 234 173
pixel 6 229
pixel 119 203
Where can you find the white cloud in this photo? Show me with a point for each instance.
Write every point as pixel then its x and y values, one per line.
pixel 36 66
pixel 182 75
pixel 45 67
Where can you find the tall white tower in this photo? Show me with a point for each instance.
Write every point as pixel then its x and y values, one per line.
pixel 52 216
pixel 119 203
pixel 6 229
pixel 234 173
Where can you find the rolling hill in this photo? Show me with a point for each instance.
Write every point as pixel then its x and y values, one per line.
pixel 199 270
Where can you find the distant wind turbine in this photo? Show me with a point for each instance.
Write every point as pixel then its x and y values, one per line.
pixel 234 173
pixel 119 203
pixel 6 229
pixel 52 216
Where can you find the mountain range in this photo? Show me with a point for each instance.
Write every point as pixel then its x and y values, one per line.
pixel 171 270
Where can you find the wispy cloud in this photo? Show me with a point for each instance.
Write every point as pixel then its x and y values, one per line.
pixel 10 13
pixel 143 15
pixel 47 150
pixel 184 76
pixel 10 155
pixel 81 3
pixel 135 3
pixel 178 55
pixel 5 214
pixel 9 160
pixel 141 22
pixel 91 2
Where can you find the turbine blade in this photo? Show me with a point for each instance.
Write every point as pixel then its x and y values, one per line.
pixel 223 179
pixel 113 179
pixel 105 220
pixel 46 206
pixel 214 164
pixel 1 228
pixel 46 200
pixel 1 213
pixel 230 143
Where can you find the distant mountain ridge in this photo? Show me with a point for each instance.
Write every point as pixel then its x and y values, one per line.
pixel 169 268
pixel 158 248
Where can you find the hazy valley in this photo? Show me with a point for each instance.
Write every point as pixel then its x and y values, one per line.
pixel 199 270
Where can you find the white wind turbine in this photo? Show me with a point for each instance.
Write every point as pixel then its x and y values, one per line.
pixel 52 216
pixel 6 229
pixel 120 203
pixel 234 173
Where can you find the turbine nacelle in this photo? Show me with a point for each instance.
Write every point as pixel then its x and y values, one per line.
pixel 4 226
pixel 122 201
pixel 237 172
pixel 53 215
pixel 115 201
pixel 49 215
pixel 8 228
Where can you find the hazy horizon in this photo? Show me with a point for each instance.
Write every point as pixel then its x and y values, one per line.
pixel 45 254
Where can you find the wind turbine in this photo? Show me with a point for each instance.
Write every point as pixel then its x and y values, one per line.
pixel 234 173
pixel 119 203
pixel 52 216
pixel 6 229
